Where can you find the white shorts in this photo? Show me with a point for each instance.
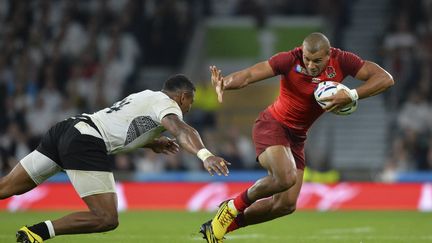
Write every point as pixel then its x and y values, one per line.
pixel 39 167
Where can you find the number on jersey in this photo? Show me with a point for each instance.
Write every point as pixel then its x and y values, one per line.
pixel 118 105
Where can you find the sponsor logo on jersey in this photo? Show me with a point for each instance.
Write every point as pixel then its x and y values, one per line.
pixel 316 80
pixel 299 69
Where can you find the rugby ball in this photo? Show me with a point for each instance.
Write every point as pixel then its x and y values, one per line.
pixel 329 88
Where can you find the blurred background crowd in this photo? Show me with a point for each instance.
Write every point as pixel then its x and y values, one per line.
pixel 407 54
pixel 59 58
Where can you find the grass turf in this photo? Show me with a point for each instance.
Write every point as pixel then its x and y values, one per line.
pixel 301 227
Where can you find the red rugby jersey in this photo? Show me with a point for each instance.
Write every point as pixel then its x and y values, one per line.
pixel 295 106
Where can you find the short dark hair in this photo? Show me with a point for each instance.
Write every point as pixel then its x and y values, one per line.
pixel 178 82
pixel 315 42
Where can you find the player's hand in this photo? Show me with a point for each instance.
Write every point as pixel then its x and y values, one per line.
pixel 165 145
pixel 217 81
pixel 218 165
pixel 336 101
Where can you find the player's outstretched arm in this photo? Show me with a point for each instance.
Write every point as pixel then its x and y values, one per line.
pixel 377 80
pixel 189 139
pixel 240 79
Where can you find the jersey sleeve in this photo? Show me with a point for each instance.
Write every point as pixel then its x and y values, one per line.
pixel 282 62
pixel 165 107
pixel 350 63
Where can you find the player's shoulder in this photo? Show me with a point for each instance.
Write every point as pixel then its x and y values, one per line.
pixel 338 53
pixel 344 56
pixel 149 95
pixel 282 62
pixel 163 100
pixel 298 51
pixel 293 53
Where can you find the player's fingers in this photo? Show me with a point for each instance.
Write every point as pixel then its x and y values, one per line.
pixel 174 144
pixel 331 107
pixel 213 75
pixel 210 171
pixel 218 169
pixel 324 99
pixel 224 166
pixel 212 68
pixel 173 150
pixel 215 71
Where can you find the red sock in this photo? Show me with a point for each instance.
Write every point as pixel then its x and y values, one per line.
pixel 241 202
pixel 238 222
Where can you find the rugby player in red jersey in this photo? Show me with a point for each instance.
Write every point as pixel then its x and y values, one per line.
pixel 279 133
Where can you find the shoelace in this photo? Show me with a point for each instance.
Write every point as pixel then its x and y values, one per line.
pixel 226 217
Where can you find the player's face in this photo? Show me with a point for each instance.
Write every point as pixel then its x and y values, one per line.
pixel 315 62
pixel 186 100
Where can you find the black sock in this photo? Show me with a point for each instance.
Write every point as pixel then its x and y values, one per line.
pixel 41 229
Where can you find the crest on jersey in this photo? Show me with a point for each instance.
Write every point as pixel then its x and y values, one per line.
pixel 330 72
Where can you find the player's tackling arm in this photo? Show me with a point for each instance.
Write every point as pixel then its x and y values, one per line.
pixel 376 80
pixel 240 79
pixel 189 139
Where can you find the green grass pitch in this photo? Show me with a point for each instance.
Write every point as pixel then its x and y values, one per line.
pixel 301 227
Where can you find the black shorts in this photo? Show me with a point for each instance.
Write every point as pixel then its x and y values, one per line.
pixel 70 149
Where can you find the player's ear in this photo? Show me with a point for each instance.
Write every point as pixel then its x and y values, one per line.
pixel 181 98
pixel 185 95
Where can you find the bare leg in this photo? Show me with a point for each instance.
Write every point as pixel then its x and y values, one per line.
pixel 279 205
pixel 279 162
pixel 282 185
pixel 102 216
pixel 16 182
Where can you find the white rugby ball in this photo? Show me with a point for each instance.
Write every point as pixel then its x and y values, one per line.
pixel 329 88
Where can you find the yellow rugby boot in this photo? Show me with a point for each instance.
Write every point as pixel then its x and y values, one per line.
pixel 207 231
pixel 224 217
pixel 24 235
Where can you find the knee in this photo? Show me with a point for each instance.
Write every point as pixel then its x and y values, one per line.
pixel 106 223
pixel 284 209
pixel 286 182
pixel 110 223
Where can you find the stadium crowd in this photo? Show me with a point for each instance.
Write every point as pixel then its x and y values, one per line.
pixel 61 58
pixel 407 54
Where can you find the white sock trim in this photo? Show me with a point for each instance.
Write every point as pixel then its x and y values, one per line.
pixel 232 206
pixel 50 228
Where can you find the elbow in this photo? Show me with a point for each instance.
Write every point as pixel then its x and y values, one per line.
pixel 389 82
pixel 384 81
